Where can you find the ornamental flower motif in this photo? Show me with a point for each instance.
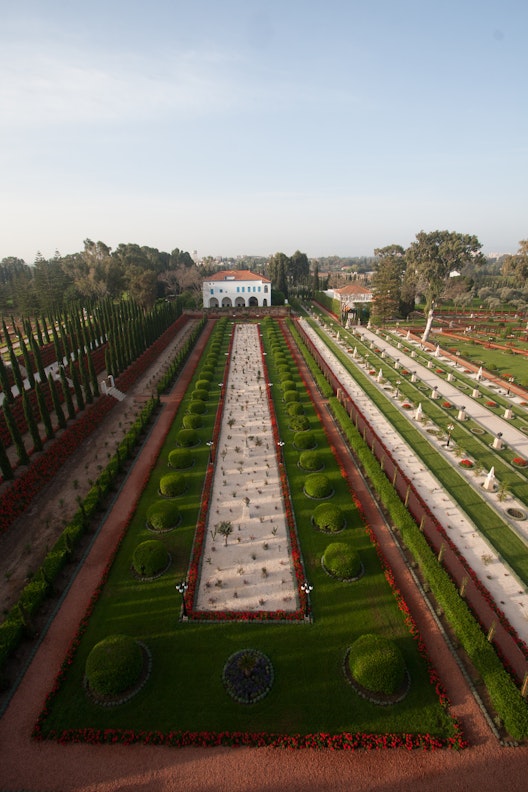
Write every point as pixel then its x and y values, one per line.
pixel 519 461
pixel 466 463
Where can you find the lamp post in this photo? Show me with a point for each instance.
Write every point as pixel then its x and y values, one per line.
pixel 450 428
pixel 181 588
pixel 307 588
pixel 281 445
pixel 210 445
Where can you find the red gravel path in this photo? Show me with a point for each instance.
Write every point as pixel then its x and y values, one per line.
pixel 39 767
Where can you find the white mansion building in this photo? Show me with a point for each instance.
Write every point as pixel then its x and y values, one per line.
pixel 236 288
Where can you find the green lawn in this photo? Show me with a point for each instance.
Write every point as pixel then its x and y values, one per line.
pixel 310 693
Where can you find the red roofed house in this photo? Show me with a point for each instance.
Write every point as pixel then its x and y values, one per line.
pixel 236 288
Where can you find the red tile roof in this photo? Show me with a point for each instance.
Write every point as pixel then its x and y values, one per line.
pixel 237 275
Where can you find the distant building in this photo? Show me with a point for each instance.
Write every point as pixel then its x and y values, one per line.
pixel 236 288
pixel 349 296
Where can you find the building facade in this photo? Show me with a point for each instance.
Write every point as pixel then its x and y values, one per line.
pixel 236 289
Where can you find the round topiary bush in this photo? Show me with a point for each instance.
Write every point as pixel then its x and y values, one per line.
pixel 284 372
pixel 204 383
pixel 173 484
pixel 181 458
pixel 329 518
pixel 304 441
pixel 310 460
pixel 192 421
pixel 113 666
pixel 200 395
pixel 288 384
pixel 163 516
pixel 299 423
pixel 318 486
pixel 376 663
pixel 290 396
pixel 150 558
pixel 342 561
pixel 295 408
pixel 197 407
pixel 187 438
pixel 207 371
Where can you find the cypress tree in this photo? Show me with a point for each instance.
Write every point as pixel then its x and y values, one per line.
pixel 67 393
pixel 31 422
pixel 93 375
pixel 27 362
pixel 57 406
pixel 77 387
pixel 38 359
pixel 4 382
pixel 16 434
pixel 44 412
pixel 84 379
pixel 45 330
pixel 15 368
pixel 58 350
pixel 5 464
pixel 39 332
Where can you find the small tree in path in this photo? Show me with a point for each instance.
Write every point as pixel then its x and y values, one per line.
pixel 224 528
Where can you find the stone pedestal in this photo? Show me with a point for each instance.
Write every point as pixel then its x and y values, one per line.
pixel 508 414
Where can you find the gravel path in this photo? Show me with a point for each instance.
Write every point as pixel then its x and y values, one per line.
pixel 43 767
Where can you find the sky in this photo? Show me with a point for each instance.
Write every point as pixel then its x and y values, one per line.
pixel 232 127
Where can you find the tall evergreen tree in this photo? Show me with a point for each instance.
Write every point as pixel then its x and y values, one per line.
pixel 5 464
pixel 77 387
pixel 16 434
pixel 27 362
pixel 44 412
pixel 4 382
pixel 31 422
pixel 37 357
pixel 387 283
pixel 57 406
pixel 67 392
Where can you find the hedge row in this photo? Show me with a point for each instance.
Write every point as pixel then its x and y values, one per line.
pixel 505 696
pixel 18 623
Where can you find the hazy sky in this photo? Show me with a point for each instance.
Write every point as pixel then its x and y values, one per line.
pixel 247 126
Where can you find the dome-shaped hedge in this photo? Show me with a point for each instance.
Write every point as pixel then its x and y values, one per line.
pixel 114 665
pixel 290 396
pixel 208 370
pixel 200 395
pixel 163 516
pixel 342 561
pixel 150 558
pixel 295 408
pixel 187 438
pixel 329 518
pixel 197 407
pixel 317 485
pixel 288 384
pixel 173 484
pixel 192 421
pixel 310 460
pixel 204 383
pixel 377 664
pixel 304 441
pixel 284 372
pixel 299 423
pixel 181 458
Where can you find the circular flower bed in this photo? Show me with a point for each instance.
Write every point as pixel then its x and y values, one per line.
pixel 328 518
pixel 163 516
pixel 248 676
pixel 304 441
pixel 173 484
pixel 466 463
pixel 113 667
pixel 447 405
pixel 311 460
pixel 519 462
pixel 317 486
pixel 490 403
pixel 375 667
pixel 181 458
pixel 150 559
pixel 342 562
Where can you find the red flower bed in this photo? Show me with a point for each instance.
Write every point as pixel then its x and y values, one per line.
pixel 447 405
pixel 491 403
pixel 519 461
pixel 466 463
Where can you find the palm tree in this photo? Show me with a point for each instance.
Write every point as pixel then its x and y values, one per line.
pixel 225 528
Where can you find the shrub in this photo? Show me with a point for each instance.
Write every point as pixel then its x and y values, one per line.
pixel 197 407
pixel 377 664
pixel 295 408
pixel 284 372
pixel 288 384
pixel 192 421
pixel 181 458
pixel 200 395
pixel 299 423
pixel 150 557
pixel 187 438
pixel 204 384
pixel 114 665
pixel 173 484
pixel 163 515
pixel 310 460
pixel 290 396
pixel 342 561
pixel 33 595
pixel 317 485
pixel 328 517
pixel 304 440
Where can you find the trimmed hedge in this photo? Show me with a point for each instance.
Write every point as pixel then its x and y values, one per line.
pixel 163 516
pixel 187 438
pixel 181 458
pixel 295 408
pixel 173 484
pixel 341 561
pixel 329 518
pixel 290 396
pixel 114 665
pixel 317 485
pixel 304 441
pixel 377 664
pixel 299 423
pixel 150 557
pixel 311 460
pixel 192 421
pixel 197 407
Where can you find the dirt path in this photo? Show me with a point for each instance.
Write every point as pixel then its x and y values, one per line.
pixel 41 767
